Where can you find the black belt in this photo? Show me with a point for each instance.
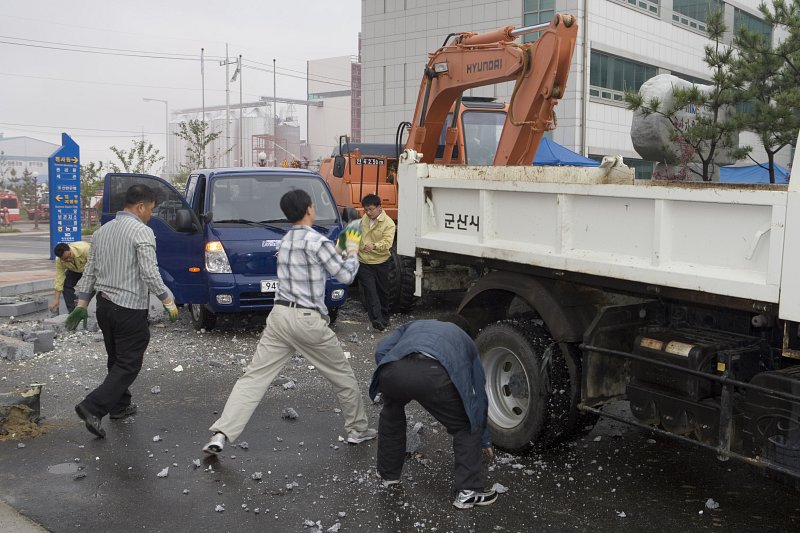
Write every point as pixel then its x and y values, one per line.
pixel 287 303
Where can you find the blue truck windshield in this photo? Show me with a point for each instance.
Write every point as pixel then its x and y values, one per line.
pixel 245 199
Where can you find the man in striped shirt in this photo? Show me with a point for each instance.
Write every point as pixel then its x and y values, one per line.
pixel 122 268
pixel 299 322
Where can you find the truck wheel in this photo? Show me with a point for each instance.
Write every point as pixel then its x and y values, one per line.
pixel 333 314
pixel 401 283
pixel 528 385
pixel 202 318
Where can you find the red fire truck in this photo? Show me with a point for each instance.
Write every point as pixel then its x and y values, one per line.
pixel 9 201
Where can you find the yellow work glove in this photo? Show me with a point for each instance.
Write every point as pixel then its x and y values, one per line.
pixel 171 309
pixel 75 317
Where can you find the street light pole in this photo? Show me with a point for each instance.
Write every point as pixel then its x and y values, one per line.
pixel 166 131
pixel 35 200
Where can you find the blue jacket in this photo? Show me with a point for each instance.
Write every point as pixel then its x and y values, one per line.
pixel 454 350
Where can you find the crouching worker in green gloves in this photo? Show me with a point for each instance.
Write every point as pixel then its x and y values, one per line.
pixel 122 268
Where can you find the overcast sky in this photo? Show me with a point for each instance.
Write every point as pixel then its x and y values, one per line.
pixel 96 95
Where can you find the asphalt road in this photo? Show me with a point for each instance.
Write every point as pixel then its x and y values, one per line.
pixel 614 479
pixel 24 246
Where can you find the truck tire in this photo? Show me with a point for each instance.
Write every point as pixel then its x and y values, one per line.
pixel 532 398
pixel 333 314
pixel 401 283
pixel 202 318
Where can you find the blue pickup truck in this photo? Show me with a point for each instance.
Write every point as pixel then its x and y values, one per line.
pixel 217 241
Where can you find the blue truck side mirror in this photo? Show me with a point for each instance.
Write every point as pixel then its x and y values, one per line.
pixel 183 220
pixel 349 214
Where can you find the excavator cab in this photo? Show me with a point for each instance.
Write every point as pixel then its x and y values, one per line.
pixel 479 126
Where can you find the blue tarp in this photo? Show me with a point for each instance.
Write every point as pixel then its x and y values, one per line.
pixel 753 174
pixel 553 154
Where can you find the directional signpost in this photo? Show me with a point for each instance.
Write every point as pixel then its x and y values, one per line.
pixel 65 193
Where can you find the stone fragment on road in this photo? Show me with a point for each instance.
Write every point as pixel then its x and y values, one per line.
pixel 289 414
pixel 163 473
pixel 500 489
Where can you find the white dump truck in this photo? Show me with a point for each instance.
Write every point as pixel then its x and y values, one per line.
pixel 590 286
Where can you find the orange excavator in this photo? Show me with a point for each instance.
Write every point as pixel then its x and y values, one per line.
pixel 449 128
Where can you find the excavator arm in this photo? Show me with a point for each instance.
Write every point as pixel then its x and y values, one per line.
pixel 475 60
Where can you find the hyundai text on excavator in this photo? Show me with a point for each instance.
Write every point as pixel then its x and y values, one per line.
pixel 449 128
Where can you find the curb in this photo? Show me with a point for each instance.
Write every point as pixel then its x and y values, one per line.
pixel 26 287
pixel 12 521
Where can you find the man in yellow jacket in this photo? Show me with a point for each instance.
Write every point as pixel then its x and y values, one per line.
pixel 71 259
pixel 374 255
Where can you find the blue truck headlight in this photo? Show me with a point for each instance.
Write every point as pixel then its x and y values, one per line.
pixel 216 258
pixel 337 294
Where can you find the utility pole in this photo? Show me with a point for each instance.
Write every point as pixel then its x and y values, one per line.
pixel 238 74
pixel 203 94
pixel 275 112
pixel 241 127
pixel 227 63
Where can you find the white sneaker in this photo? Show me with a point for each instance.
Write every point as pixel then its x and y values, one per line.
pixel 354 437
pixel 387 482
pixel 466 499
pixel 216 444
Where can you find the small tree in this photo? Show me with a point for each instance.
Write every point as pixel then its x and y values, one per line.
pixel 4 168
pixel 711 131
pixel 91 181
pixel 139 159
pixel 772 79
pixel 12 180
pixel 26 189
pixel 197 137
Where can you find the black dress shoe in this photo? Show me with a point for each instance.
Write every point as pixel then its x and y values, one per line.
pixel 125 412
pixel 378 325
pixel 92 421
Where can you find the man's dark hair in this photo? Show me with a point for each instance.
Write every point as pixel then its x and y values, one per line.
pixel 371 200
pixel 139 193
pixel 295 204
pixel 460 321
pixel 60 249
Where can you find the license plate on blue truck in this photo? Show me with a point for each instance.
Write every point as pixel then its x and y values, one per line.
pixel 269 285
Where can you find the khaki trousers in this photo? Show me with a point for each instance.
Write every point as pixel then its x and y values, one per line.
pixel 288 330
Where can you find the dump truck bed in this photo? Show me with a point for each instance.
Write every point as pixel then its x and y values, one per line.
pixel 723 239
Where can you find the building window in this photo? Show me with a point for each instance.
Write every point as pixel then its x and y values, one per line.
pixel 643 169
pixel 691 79
pixel 650 6
pixel 693 13
pixel 610 76
pixel 537 12
pixel 743 19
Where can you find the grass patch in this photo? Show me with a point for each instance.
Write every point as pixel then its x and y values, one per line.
pixel 9 230
pixel 89 230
